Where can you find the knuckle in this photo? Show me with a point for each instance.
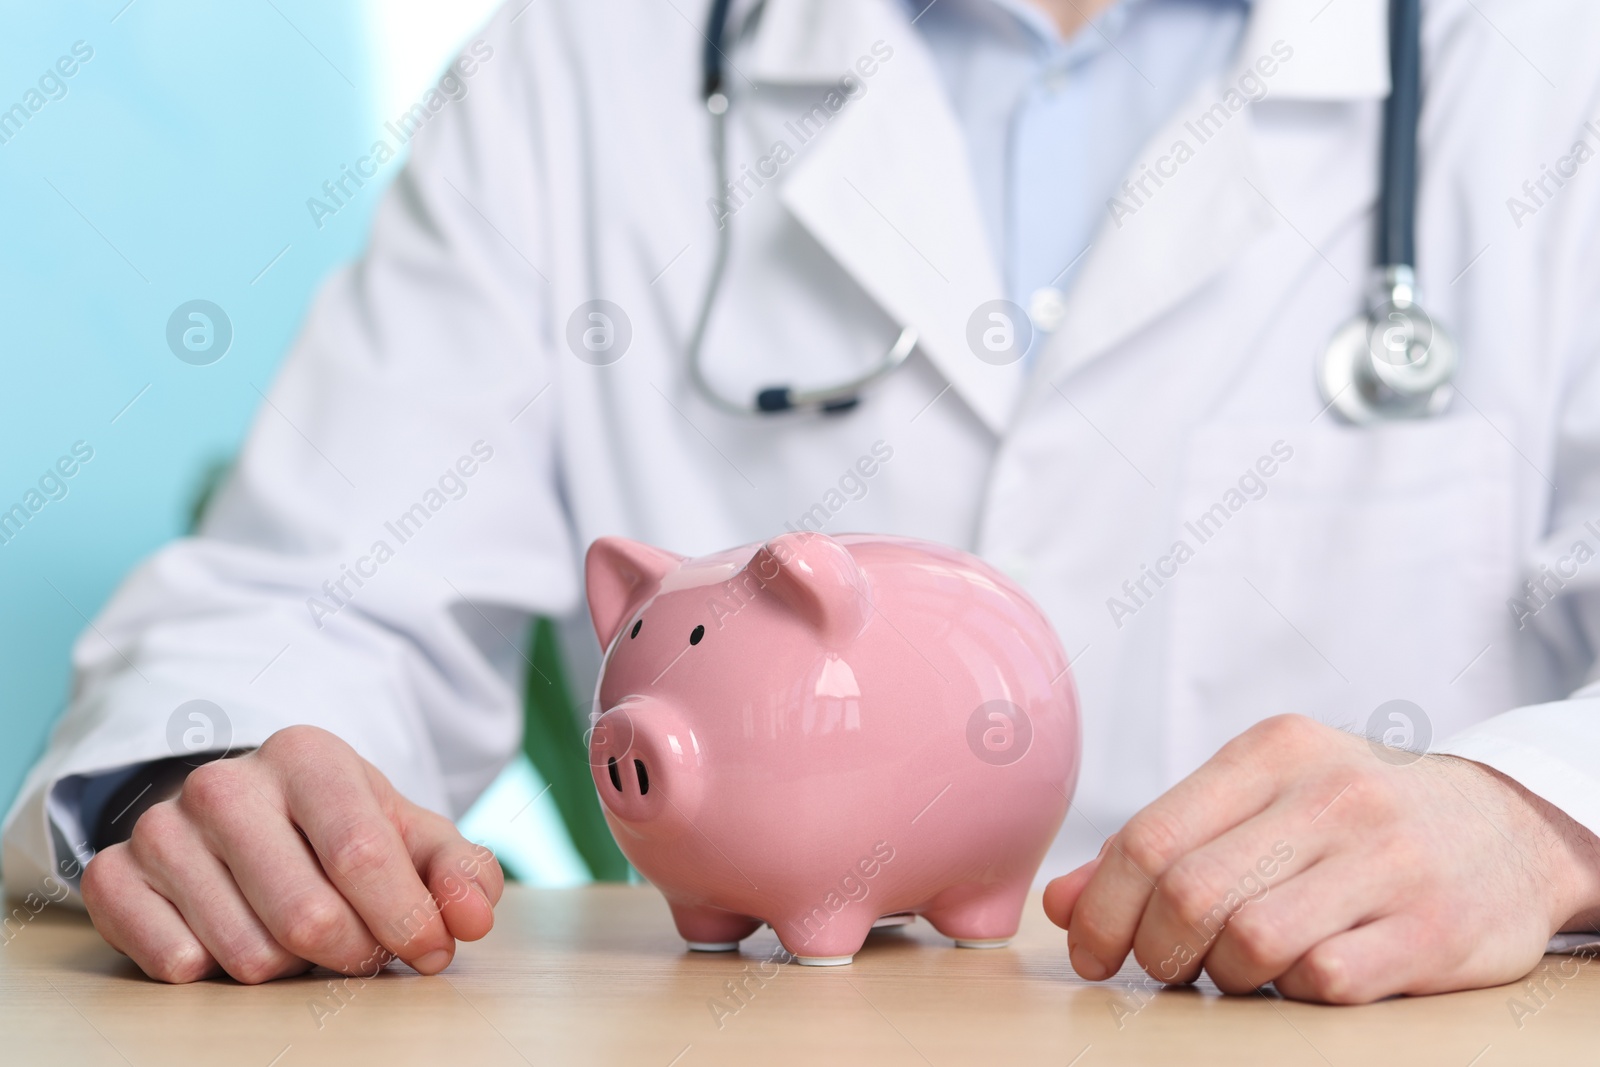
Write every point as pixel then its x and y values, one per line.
pixel 1259 939
pixel 256 964
pixel 101 876
pixel 179 963
pixel 211 786
pixel 158 834
pixel 360 852
pixel 1373 797
pixel 314 927
pixel 249 954
pixel 1325 976
pixel 418 929
pixel 1090 929
pixel 1151 842
pixel 293 744
pixel 1284 731
pixel 1187 889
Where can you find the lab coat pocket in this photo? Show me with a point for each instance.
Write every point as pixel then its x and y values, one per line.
pixel 1332 569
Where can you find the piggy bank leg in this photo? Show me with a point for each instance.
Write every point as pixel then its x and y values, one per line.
pixel 824 940
pixel 708 929
pixel 975 917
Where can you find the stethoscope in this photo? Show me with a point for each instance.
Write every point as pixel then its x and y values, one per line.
pixel 829 399
pixel 1392 361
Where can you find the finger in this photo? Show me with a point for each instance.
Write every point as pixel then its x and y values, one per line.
pixel 464 878
pixel 169 850
pixel 351 827
pixel 1267 936
pixel 141 923
pixel 1231 787
pixel 1384 957
pixel 1060 899
pixel 1198 895
pixel 1061 895
pixel 1411 953
pixel 277 871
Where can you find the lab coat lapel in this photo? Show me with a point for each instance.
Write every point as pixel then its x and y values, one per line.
pixel 886 188
pixel 1165 241
pixel 1213 182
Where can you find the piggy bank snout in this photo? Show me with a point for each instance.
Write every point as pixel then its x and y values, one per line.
pixel 644 761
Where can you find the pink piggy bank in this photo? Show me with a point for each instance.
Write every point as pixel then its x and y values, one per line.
pixel 820 732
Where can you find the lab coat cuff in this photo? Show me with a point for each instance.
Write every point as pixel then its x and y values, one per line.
pixel 1551 750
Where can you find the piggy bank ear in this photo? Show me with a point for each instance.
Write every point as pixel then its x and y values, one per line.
pixel 816 578
pixel 619 575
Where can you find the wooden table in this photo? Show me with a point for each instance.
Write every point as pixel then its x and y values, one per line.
pixel 598 975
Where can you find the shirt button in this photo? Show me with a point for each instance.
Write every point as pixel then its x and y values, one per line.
pixel 1046 307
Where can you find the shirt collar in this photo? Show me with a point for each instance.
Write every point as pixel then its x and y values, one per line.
pixel 1039 24
pixel 1342 55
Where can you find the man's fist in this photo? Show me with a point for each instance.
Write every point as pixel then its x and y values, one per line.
pixel 298 854
pixel 1296 856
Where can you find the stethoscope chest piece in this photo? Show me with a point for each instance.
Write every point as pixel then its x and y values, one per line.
pixel 1392 362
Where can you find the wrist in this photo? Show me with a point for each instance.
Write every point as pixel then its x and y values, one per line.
pixel 1566 852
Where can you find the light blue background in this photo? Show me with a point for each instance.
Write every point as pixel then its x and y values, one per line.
pixel 177 167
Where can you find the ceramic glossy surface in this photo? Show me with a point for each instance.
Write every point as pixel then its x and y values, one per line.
pixel 820 731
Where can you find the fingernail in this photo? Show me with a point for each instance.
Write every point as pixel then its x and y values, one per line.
pixel 432 963
pixel 1085 963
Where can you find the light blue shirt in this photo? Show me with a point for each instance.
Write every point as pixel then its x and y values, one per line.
pixel 1053 126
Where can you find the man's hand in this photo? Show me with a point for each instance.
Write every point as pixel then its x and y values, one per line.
pixel 299 853
pixel 1298 857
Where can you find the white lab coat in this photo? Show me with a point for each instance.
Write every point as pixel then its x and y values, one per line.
pixel 1377 566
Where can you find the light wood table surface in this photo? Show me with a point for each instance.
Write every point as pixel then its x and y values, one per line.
pixel 598 975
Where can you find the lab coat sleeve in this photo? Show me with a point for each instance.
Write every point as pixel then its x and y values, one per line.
pixel 395 517
pixel 1553 748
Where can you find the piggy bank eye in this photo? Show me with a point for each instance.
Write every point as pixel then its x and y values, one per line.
pixel 696 634
pixel 635 631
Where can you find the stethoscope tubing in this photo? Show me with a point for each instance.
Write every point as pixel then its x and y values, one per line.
pixel 830 399
pixel 1348 372
pixel 1397 209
